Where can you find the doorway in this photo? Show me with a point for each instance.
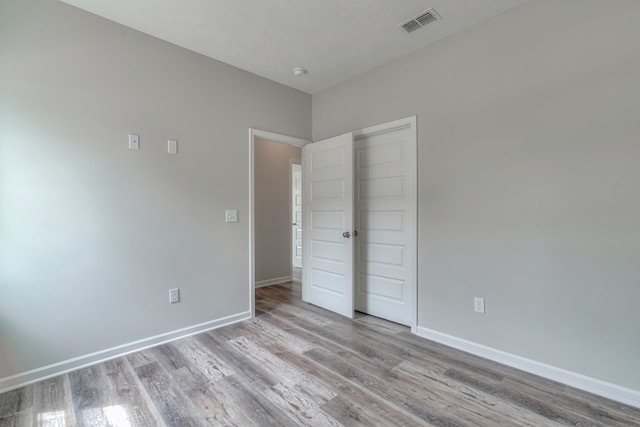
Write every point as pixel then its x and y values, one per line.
pixel 268 206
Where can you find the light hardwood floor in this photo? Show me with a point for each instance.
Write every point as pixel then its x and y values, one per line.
pixel 296 364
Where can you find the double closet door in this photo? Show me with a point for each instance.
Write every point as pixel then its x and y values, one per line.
pixel 360 233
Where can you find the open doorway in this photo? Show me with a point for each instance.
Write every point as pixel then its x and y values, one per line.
pixel 273 210
pixel 272 159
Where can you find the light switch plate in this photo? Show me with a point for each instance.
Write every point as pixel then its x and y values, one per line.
pixel 172 146
pixel 174 295
pixel 231 215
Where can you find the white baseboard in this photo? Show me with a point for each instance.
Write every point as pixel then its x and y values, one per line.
pixel 24 378
pixel 275 281
pixel 592 385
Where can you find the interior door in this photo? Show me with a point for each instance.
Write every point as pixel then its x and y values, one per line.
pixel 328 224
pixel 385 204
pixel 296 215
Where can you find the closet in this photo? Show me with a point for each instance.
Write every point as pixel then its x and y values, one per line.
pixel 360 222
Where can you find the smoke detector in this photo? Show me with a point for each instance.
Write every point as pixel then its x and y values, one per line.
pixel 420 20
pixel 299 71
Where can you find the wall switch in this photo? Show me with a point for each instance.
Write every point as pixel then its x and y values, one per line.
pixel 172 146
pixel 134 141
pixel 231 215
pixel 174 295
pixel 478 305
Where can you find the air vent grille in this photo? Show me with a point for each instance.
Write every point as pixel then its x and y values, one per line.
pixel 411 26
pixel 420 20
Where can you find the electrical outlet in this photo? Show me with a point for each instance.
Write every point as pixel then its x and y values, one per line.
pixel 478 305
pixel 174 295
pixel 134 141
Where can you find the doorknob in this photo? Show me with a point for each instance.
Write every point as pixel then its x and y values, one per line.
pixel 355 233
pixel 346 234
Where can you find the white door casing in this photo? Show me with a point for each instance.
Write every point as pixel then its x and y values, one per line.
pixel 386 217
pixel 296 215
pixel 328 223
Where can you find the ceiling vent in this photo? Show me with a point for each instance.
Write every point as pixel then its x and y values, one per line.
pixel 419 21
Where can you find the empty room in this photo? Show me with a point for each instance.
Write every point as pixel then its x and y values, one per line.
pixel 286 212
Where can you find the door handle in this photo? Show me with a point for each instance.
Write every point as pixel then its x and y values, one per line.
pixel 346 234
pixel 355 233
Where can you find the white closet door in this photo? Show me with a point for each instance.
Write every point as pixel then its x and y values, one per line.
pixel 385 203
pixel 328 224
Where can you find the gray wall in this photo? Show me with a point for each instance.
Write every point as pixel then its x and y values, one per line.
pixel 92 234
pixel 273 208
pixel 529 179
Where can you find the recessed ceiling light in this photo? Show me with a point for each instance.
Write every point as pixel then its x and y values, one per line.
pixel 299 71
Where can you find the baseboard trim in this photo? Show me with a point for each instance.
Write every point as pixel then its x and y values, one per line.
pixel 28 377
pixel 274 281
pixel 592 385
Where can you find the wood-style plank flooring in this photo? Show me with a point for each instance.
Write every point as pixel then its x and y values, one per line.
pixel 296 364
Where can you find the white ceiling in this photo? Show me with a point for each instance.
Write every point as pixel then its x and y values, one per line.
pixel 333 39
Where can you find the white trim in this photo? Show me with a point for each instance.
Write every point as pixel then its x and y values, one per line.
pixel 274 281
pixel 29 377
pixel 291 163
pixel 592 385
pixel 269 136
pixel 392 126
pixel 276 137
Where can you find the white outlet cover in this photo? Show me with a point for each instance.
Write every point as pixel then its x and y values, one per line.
pixel 134 141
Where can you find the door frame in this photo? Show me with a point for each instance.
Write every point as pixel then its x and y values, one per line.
pixel 292 162
pixel 274 137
